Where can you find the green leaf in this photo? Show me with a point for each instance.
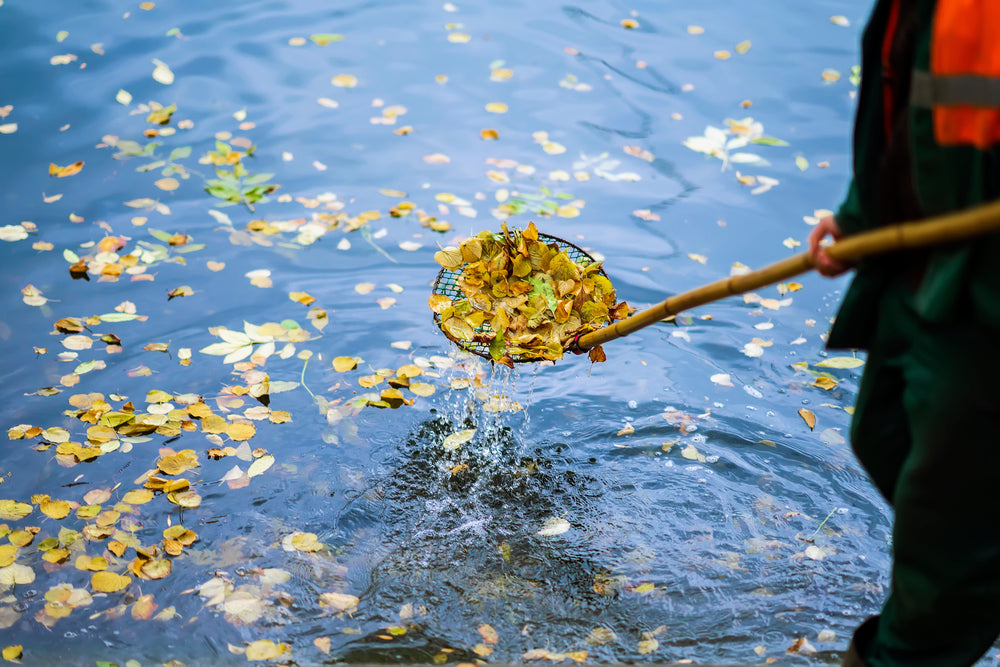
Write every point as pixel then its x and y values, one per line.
pixel 70 256
pixel 159 235
pixel 118 317
pixel 543 287
pixel 290 324
pixel 143 168
pixel 498 347
pixel 85 367
pixel 801 163
pixel 180 153
pixel 769 141
pixel 841 362
pixel 257 178
pixel 322 39
pixel 279 386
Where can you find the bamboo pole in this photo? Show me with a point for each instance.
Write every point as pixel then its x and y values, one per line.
pixel 932 231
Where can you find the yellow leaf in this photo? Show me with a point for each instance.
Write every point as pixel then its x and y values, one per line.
pixel 824 382
pixel 304 298
pixel 55 509
pixel 489 134
pixel 8 552
pixel 644 588
pixel 422 388
pixel 68 170
pixel 488 634
pixel 344 364
pixel 241 430
pixel 630 24
pixel 339 602
pixel 344 81
pixel 12 653
pixel 457 439
pixel 808 417
pixel 13 510
pixel 648 645
pixel 137 497
pixel 743 47
pixel 265 649
pixel 323 644
pixel 167 184
pixel 496 107
pixel 109 582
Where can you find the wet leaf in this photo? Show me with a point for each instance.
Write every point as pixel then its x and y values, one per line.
pixel 841 363
pixel 13 653
pixel 554 526
pixel 808 417
pixel 457 439
pixel 488 634
pixel 260 465
pixel 265 649
pixel 13 510
pixel 339 602
pixel 68 170
pixel 344 364
pixel 55 509
pixel 162 73
pixel 16 575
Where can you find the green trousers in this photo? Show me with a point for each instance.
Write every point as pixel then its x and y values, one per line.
pixel 926 430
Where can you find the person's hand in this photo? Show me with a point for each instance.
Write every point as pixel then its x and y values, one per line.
pixel 826 265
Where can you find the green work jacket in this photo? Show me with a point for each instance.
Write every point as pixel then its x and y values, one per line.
pixel 958 280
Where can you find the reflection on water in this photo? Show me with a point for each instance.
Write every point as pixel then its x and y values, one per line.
pixel 669 504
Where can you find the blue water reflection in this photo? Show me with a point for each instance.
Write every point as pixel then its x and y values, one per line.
pixel 686 509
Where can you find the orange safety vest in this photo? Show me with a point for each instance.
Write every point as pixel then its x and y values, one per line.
pixel 962 88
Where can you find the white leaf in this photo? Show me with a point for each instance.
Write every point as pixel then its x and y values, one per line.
pixel 747 158
pixel 220 349
pixel 457 439
pixel 235 337
pixel 715 135
pixel 238 355
pixel 554 526
pixel 260 465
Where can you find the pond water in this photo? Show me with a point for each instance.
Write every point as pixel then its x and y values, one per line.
pixel 675 502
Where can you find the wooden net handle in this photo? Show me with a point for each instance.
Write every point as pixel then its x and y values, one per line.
pixel 929 232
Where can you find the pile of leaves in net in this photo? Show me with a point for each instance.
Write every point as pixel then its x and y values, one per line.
pixel 521 298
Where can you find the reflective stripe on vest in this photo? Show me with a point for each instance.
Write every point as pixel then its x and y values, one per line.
pixel 963 85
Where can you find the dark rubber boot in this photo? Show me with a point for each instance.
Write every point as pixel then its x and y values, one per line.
pixel 859 642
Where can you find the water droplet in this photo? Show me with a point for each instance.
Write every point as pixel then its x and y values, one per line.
pixel 633 404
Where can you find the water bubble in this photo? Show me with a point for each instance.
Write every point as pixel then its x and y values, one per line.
pixel 20 606
pixel 633 404
pixel 842 510
pixel 69 634
pixel 712 459
pixel 30 593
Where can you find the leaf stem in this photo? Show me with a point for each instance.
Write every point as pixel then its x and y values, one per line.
pixel 818 528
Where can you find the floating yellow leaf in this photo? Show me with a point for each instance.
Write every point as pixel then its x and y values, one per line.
pixel 344 364
pixel 488 634
pixel 339 602
pixel 644 588
pixel 167 184
pixel 16 575
pixel 13 653
pixel 831 75
pixel 8 552
pixel 265 649
pixel 489 134
pixel 68 170
pixel 13 510
pixel 304 298
pixel 137 497
pixel 56 509
pixel 808 417
pixel 241 430
pixel 722 55
pixel 824 382
pixel 109 582
pixel 743 47
pixel 344 81
pixel 630 24
pixel 423 389
pixel 496 107
pixel 457 439
pixel 175 464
